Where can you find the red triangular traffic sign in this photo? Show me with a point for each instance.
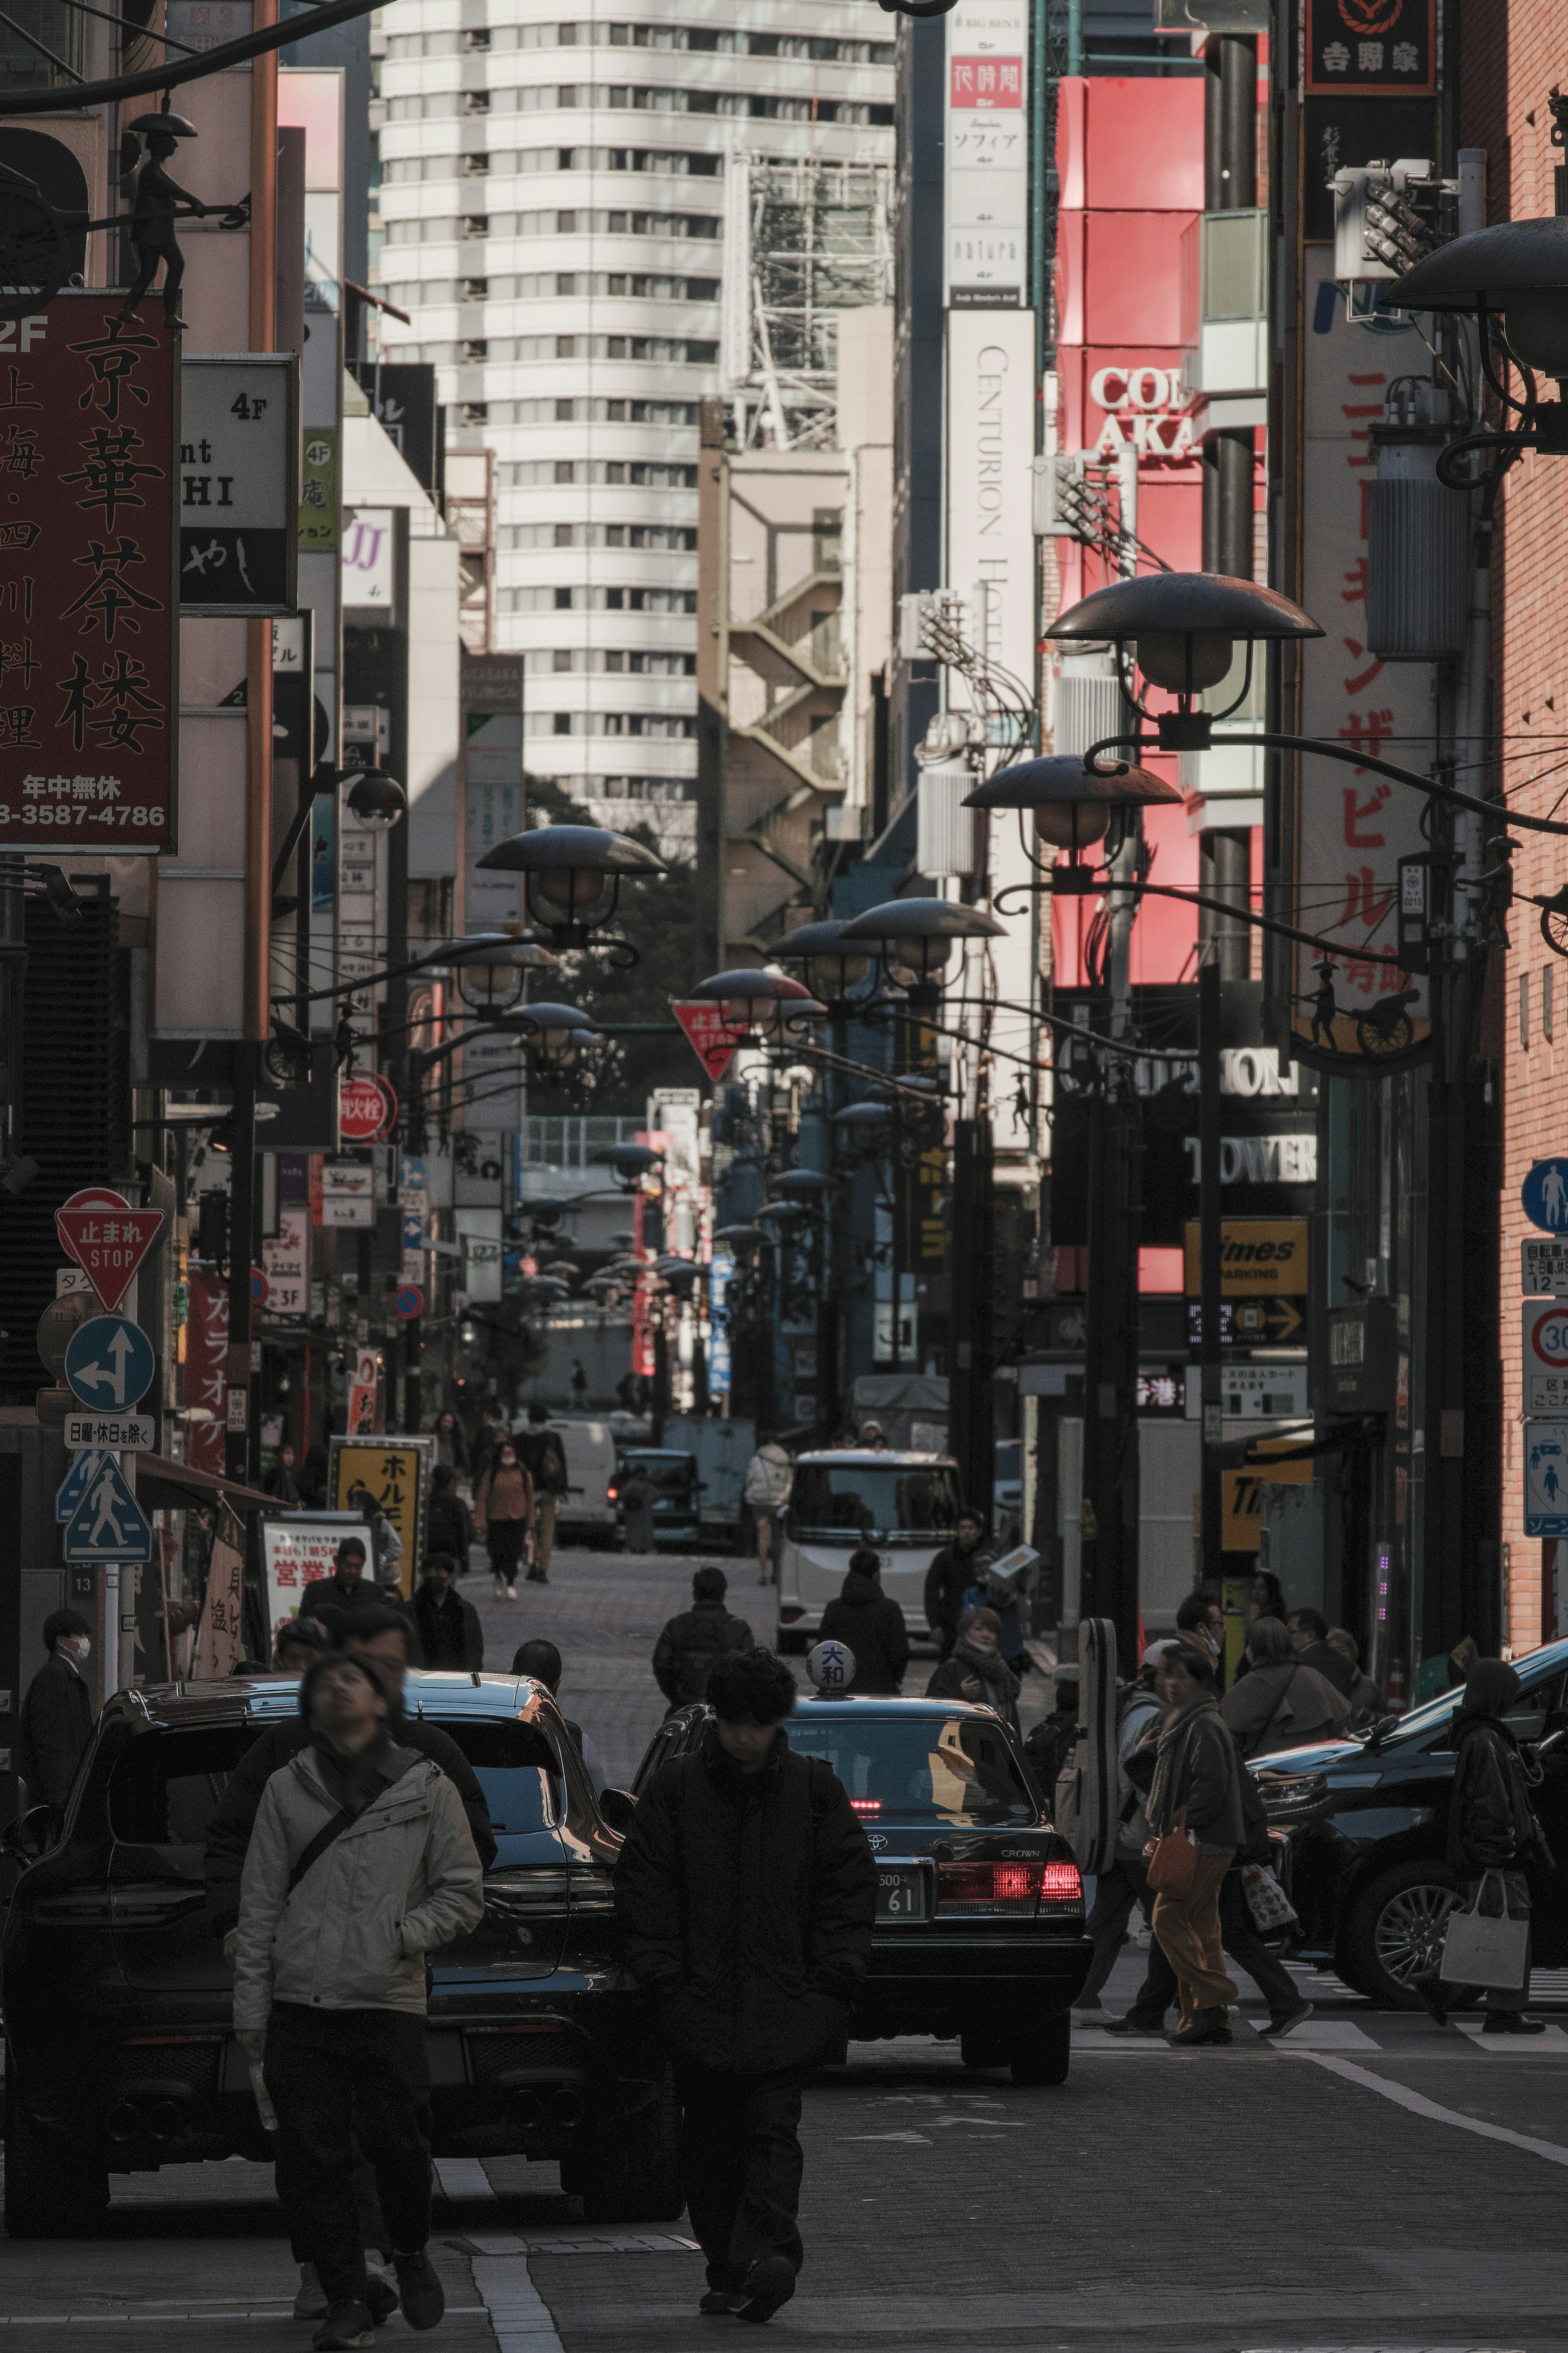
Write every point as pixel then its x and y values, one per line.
pixel 713 1039
pixel 108 1245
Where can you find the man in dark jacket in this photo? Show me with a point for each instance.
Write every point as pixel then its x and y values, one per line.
pixel 448 1627
pixel 544 1456
pixel 380 1636
pixel 337 1599
pixel 872 1624
pixel 1196 1787
pixel 1309 1635
pixel 450 1526
pixel 949 1578
pixel 57 1715
pixel 746 1891
pixel 690 1645
pixel 1492 1828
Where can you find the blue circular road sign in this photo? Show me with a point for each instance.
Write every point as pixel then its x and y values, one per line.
pixel 1544 1194
pixel 110 1364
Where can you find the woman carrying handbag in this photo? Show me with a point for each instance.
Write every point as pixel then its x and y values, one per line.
pixel 1494 1840
pixel 1195 1824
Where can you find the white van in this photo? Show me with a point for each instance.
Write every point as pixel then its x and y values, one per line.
pixel 904 1506
pixel 585 1510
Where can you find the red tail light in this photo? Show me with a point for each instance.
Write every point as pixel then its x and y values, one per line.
pixel 866 1805
pixel 1015 1889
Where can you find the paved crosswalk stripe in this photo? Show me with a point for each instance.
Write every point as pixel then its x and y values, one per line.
pixel 1554 2151
pixel 462 2177
pixel 1512 2046
pixel 519 2314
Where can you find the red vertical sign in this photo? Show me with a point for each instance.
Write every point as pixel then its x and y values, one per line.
pixel 206 1368
pixel 89 581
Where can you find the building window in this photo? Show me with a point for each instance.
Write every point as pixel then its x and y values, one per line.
pixel 1546 978
pixel 1525 1008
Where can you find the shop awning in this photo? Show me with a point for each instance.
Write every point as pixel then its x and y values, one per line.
pixel 170 1486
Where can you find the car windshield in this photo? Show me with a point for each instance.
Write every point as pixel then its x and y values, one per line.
pixel 663 1471
pixel 855 1499
pixel 168 1784
pixel 956 1768
pixel 1527 1718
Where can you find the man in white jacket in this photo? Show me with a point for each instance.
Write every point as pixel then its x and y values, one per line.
pixel 360 1865
pixel 770 1475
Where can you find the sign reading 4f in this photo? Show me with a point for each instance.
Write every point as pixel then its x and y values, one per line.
pixel 107 1524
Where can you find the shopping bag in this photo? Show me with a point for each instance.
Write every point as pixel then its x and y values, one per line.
pixel 1483 1949
pixel 1266 1900
pixel 1174 1866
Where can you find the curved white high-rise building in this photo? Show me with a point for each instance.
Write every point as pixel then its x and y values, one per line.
pixel 552 199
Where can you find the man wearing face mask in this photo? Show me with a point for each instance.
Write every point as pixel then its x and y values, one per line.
pixel 57 1715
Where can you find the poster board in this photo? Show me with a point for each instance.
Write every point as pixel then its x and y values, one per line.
pixel 297 1547
pixel 396 1473
pixel 220 1629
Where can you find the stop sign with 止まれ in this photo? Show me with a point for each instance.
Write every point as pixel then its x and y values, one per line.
pixel 1545 1333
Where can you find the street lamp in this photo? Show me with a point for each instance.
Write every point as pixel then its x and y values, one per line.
pixel 916 938
pixel 1072 804
pixel 490 968
pixel 1513 281
pixel 1182 629
pixel 377 799
pixel 628 1163
pixel 829 969
pixel 805 1185
pixel 767 1006
pixel 557 1033
pixel 572 879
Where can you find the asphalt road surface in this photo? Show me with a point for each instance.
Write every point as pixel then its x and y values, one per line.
pixel 1374 2184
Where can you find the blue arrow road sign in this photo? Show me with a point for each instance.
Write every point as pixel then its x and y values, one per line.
pixel 109 1364
pixel 109 1524
pixel 1544 1194
pixel 73 1486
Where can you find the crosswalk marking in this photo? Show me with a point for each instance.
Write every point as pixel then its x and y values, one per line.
pixel 1513 2046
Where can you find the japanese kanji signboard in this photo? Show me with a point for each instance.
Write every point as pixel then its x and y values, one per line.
pixel 240 441
pixel 89 595
pixel 220 1629
pixel 1372 48
pixel 1353 828
pixel 395 1474
pixel 108 1245
pixel 986 155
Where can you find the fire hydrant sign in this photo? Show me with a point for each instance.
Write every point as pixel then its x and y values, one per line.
pixel 1545 1332
pixel 713 1039
pixel 108 1245
pixel 89 698
pixel 367 1108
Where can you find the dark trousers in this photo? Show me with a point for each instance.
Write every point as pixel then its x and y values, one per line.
pixel 504 1541
pixel 740 2165
pixel 1239 1936
pixel 1116 1891
pixel 338 2078
pixel 374 2235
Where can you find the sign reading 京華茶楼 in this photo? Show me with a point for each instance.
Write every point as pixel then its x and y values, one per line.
pixel 1546 1478
pixel 239 498
pixel 1352 1012
pixel 89 580
pixel 986 209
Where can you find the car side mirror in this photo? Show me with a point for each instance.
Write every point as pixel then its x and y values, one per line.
pixel 33 1833
pixel 616 1808
pixel 1383 1729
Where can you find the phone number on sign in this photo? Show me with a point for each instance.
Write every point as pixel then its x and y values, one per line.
pixel 40 813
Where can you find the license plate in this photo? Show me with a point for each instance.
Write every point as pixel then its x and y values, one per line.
pixel 901 1895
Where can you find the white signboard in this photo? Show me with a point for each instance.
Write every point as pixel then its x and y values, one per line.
pixel 295 1552
pixel 369 559
pixel 1352 827
pixel 1543 1269
pixel 286 1260
pixel 1546 1478
pixel 990 444
pixel 240 492
pixel 1544 1331
pixel 1256 1392
pixel 348 1193
pixel 986 206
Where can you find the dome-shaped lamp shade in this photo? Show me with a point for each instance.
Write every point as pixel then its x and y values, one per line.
pixel 1184 662
pixel 1071 825
pixel 1519 268
pixel 378 800
pixel 1537 328
pixel 917 935
pixel 1072 805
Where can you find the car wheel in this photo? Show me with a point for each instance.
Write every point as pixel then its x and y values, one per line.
pixel 1394 1935
pixel 51 2193
pixel 1041 2052
pixel 630 2172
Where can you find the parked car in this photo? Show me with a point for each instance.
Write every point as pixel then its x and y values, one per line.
pixel 980 1918
pixel 1363 1829
pixel 677 1494
pixel 905 1505
pixel 119 2053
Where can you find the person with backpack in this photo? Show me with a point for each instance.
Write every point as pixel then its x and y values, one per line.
pixel 360 1865
pixel 870 1623
pixel 690 1645
pixel 1125 1884
pixel 543 1457
pixel 450 1526
pixel 745 1892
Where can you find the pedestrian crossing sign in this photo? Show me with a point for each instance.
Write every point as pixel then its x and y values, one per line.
pixel 109 1524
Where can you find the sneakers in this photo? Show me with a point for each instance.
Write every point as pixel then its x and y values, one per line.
pixel 1512 2021
pixel 345 2324
pixel 721 2302
pixel 1291 2020
pixel 512 1593
pixel 1132 2024
pixel 422 2296
pixel 380 2290
pixel 1204 2026
pixel 768 2284
pixel 311 2303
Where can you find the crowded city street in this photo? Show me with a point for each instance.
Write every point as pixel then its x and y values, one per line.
pixel 1372 2182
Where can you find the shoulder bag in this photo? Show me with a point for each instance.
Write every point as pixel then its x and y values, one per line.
pixel 1174 1866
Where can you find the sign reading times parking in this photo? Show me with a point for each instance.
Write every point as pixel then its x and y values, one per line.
pixel 1545 1333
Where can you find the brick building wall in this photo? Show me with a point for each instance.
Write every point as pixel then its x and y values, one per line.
pixel 1510 58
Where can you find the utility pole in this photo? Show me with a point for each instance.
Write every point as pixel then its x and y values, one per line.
pixel 1211 1247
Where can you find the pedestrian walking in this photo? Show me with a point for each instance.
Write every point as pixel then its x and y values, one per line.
pixel 872 1624
pixel 311 1478
pixel 448 1627
pixel 1281 1702
pixel 543 1457
pixel 541 1663
pixel 952 1571
pixel 337 1599
pixel 977 1670
pixel 1492 1830
pixel 746 1890
pixel 1366 1700
pixel 451 1446
pixel 579 1382
pixel 1195 1802
pixel 385 1544
pixel 1124 1886
pixel 1308 1634
pixel 636 1497
pixel 280 1482
pixel 360 1865
pixel 1201 1613
pixel 770 1475
pixel 692 1644
pixel 503 1508
pixel 56 1717
pixel 449 1524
